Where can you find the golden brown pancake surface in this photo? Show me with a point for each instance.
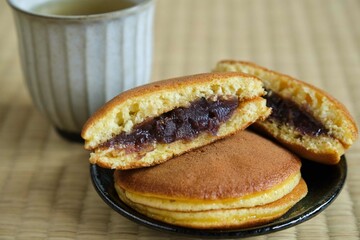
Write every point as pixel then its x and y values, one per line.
pixel 242 164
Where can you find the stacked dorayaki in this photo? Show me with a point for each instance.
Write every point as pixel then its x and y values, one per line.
pixel 183 153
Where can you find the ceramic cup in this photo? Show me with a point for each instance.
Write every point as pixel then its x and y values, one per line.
pixel 74 64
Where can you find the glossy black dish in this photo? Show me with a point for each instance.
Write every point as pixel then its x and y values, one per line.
pixel 324 185
pixel 70 136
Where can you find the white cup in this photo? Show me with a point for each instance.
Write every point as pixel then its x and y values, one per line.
pixel 74 64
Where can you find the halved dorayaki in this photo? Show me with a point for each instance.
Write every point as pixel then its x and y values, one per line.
pixel 153 123
pixel 304 118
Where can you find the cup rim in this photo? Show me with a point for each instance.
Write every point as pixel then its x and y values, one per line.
pixel 113 14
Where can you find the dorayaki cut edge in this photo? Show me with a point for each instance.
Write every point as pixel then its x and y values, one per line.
pixel 304 118
pixel 153 123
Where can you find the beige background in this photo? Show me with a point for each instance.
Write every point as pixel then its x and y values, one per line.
pixel 45 190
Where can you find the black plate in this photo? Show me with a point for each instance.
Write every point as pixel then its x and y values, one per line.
pixel 324 184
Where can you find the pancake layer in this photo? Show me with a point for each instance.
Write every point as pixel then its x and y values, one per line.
pixel 179 204
pixel 223 218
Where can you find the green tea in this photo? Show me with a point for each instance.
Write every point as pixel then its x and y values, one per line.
pixel 81 7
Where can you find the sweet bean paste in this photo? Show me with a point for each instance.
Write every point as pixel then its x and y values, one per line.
pixel 286 111
pixel 183 123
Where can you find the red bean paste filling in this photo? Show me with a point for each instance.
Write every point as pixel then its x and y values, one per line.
pixel 183 123
pixel 286 111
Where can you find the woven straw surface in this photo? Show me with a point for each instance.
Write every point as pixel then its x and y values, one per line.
pixel 45 189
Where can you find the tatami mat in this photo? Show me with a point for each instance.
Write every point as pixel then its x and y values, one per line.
pixel 45 189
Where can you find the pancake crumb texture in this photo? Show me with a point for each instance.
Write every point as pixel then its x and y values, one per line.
pixel 326 148
pixel 140 104
pixel 242 180
pixel 323 149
